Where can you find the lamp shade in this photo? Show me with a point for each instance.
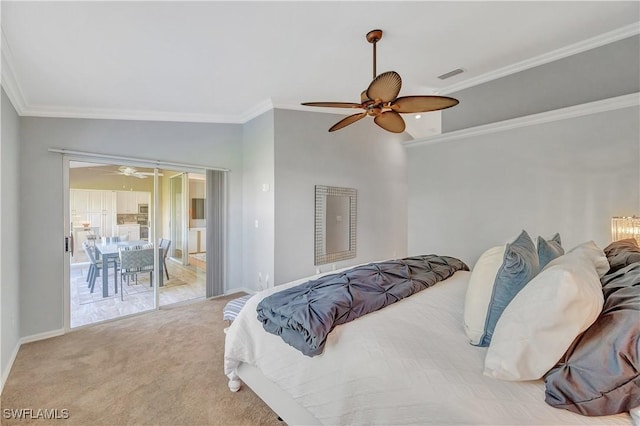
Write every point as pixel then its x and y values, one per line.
pixel 625 227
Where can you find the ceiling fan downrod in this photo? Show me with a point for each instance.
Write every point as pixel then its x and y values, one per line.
pixel 374 37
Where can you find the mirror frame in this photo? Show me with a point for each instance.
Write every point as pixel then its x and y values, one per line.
pixel 322 192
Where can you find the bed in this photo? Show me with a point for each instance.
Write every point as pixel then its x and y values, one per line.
pixel 408 363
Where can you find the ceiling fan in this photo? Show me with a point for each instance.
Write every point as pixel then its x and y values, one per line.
pixel 130 171
pixel 381 100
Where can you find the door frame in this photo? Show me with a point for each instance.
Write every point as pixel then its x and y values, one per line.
pixel 67 231
pixel 72 155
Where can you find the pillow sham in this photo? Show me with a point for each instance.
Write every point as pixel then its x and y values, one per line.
pixel 622 253
pixel 600 374
pixel 594 253
pixel 544 318
pixel 499 274
pixel 549 250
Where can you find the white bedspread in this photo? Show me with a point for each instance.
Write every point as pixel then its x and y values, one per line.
pixel 409 363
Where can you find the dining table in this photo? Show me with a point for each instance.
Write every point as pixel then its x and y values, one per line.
pixel 110 252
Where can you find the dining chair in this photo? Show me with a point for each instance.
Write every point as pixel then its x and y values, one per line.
pixel 134 261
pixel 109 240
pixel 164 245
pixel 96 267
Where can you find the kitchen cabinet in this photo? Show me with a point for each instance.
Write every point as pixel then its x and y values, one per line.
pixel 79 201
pixel 130 231
pixel 96 201
pixel 127 201
pixel 95 207
pixel 142 198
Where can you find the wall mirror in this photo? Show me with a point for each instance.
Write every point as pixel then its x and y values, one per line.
pixel 335 229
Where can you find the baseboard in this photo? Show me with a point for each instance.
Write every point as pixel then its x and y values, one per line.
pixel 5 373
pixel 42 336
pixel 238 290
pixel 22 341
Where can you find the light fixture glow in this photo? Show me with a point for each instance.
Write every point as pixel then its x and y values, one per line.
pixel 418 116
pixel 625 227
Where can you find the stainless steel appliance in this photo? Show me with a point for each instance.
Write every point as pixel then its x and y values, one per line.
pixel 144 233
pixel 143 208
pixel 143 221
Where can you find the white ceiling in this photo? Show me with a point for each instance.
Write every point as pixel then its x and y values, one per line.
pixel 228 61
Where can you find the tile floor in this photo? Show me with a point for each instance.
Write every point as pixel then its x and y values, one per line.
pixel 185 283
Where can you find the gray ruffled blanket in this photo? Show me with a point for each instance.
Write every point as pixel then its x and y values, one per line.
pixel 304 315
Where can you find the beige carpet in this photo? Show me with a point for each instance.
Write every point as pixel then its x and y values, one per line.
pixel 162 368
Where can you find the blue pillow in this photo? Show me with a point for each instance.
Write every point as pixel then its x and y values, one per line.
pixel 520 264
pixel 549 250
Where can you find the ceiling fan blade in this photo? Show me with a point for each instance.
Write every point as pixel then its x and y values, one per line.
pixel 346 121
pixel 385 87
pixel 422 103
pixel 363 97
pixel 391 121
pixel 333 104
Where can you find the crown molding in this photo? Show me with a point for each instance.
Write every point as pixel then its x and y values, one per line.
pixel 300 107
pixel 619 102
pixel 23 108
pixel 106 114
pixel 256 111
pixel 554 55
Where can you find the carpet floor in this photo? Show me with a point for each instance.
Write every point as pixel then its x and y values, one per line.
pixel 162 368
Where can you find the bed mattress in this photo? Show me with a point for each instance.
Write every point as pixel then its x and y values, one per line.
pixel 409 363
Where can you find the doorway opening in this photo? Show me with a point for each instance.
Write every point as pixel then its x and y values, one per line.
pixel 116 208
pixel 187 229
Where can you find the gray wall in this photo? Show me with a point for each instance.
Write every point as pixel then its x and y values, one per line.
pixel 568 176
pixel 361 156
pixel 604 72
pixel 10 237
pixel 41 207
pixel 257 203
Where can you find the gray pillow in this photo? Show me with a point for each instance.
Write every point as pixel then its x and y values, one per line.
pixel 599 374
pixel 622 253
pixel 549 250
pixel 520 264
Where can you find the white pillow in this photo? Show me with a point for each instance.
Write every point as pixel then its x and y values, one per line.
pixel 544 318
pixel 497 277
pixel 635 416
pixel 595 254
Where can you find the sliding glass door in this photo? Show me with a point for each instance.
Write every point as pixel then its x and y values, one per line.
pixel 173 219
pixel 109 211
pixel 182 231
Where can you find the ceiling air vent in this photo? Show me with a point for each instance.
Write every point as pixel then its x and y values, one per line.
pixel 451 74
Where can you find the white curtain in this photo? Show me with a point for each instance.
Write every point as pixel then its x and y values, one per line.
pixel 216 231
